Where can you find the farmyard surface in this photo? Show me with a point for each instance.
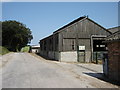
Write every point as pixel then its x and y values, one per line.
pixel 24 70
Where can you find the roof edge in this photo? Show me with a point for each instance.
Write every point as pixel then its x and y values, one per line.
pixel 46 37
pixel 100 25
pixel 72 22
pixel 114 27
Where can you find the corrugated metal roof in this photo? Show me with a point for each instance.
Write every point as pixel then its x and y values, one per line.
pixel 80 18
pixel 114 29
pixel 114 36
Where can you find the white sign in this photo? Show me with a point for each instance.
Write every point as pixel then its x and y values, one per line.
pixel 81 47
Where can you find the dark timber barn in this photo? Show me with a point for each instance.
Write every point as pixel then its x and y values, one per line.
pixel 77 41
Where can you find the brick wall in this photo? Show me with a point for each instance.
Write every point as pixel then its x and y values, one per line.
pixel 114 60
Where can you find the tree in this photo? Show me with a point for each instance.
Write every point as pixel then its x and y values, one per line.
pixel 15 35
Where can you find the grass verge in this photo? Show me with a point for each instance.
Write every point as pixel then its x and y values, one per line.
pixel 25 49
pixel 3 50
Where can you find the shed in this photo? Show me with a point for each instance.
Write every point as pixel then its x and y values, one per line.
pixel 35 48
pixel 78 41
pixel 113 43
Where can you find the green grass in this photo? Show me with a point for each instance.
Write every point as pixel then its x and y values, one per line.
pixel 3 50
pixel 25 49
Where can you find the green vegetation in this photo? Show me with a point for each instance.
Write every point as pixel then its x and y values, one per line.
pixel 25 49
pixel 15 35
pixel 3 50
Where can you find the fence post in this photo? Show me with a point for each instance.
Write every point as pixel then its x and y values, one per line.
pixel 96 58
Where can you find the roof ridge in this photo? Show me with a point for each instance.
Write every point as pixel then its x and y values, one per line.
pixel 80 18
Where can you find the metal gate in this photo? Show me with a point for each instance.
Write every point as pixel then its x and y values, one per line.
pixel 81 56
pixel 98 56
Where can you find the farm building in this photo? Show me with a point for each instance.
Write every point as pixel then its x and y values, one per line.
pixel 79 41
pixel 113 44
pixel 35 48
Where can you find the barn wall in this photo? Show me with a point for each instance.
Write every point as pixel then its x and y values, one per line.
pixel 56 42
pixel 69 44
pixel 44 54
pixel 65 42
pixel 51 55
pixel 57 56
pixel 83 29
pixel 79 30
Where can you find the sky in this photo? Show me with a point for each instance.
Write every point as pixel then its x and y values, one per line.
pixel 43 18
pixel 59 0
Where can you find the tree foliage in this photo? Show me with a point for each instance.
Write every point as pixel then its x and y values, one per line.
pixel 15 35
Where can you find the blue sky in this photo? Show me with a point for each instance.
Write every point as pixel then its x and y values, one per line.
pixel 43 18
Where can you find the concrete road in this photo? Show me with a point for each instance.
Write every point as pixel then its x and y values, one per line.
pixel 23 70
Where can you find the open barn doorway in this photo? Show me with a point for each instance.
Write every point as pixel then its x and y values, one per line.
pixel 99 49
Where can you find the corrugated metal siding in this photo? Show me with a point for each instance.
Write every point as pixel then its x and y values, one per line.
pixel 115 29
pixel 69 45
pixel 50 43
pixel 80 30
pixel 84 42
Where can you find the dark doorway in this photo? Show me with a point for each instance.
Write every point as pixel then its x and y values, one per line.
pixel 98 45
pixel 99 48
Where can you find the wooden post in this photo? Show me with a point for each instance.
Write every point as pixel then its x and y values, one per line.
pixel 96 58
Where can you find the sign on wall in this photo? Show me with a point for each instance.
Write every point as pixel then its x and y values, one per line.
pixel 81 47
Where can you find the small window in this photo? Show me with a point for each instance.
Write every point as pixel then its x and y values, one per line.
pixel 102 45
pixel 97 45
pixel 45 45
pixel 73 45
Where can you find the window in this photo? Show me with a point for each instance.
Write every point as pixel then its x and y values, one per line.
pixel 45 45
pixel 102 45
pixel 97 45
pixel 73 45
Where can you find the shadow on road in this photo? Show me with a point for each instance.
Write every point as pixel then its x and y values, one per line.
pixel 102 77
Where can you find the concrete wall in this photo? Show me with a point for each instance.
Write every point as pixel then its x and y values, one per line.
pixel 57 56
pixel 35 50
pixel 60 56
pixel 70 56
